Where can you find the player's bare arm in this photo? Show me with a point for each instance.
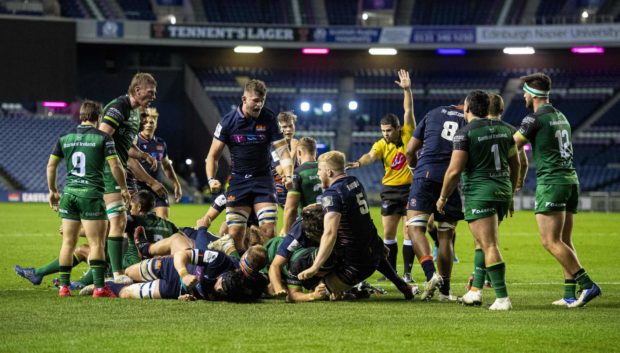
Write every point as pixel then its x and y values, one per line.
pixel 290 211
pixel 413 146
pixel 135 152
pixel 366 159
pixel 215 152
pixel 181 259
pixel 172 176
pixel 52 167
pixel 328 240
pixel 119 175
pixel 138 171
pixel 458 161
pixel 275 276
pixel 405 83
pixel 286 162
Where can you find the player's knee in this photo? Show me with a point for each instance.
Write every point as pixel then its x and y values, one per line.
pixel 418 221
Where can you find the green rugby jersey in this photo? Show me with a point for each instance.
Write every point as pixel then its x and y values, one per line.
pixel 306 183
pixel 489 144
pixel 156 229
pixel 550 134
pixel 85 150
pixel 126 122
pixel 271 246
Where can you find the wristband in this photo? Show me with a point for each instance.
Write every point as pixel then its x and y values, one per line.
pixel 443 198
pixel 183 273
pixel 209 180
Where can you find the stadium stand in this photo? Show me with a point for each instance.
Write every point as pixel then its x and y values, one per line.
pixel 342 12
pixel 32 138
pixel 137 9
pixel 75 9
pixel 455 12
pixel 248 11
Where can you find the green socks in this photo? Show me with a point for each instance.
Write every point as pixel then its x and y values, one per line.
pixel 115 251
pixel 53 267
pixel 98 270
pixel 65 275
pixel 583 279
pixel 570 287
pixel 479 270
pixel 497 272
pixel 87 277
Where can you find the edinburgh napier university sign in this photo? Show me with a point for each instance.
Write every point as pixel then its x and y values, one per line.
pixel 200 32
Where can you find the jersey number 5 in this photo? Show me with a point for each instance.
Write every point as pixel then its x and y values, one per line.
pixel 78 159
pixel 449 129
pixel 362 203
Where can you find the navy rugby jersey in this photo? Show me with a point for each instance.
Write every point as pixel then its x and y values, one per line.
pixel 357 231
pixel 157 148
pixel 436 131
pixel 248 140
pixel 294 240
pixel 207 265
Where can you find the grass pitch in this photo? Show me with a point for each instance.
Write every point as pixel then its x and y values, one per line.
pixel 34 319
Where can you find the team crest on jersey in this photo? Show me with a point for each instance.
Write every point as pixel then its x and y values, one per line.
pixel 261 128
pixel 327 201
pixel 399 161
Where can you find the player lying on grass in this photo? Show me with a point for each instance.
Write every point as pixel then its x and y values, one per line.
pixel 196 274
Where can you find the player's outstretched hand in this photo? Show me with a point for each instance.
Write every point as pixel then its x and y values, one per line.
pixel 187 298
pixel 440 204
pixel 215 186
pixel 307 274
pixel 159 189
pixel 126 198
pixel 352 165
pixel 152 161
pixel 54 198
pixel 190 281
pixel 204 221
pixel 320 292
pixel 405 81
pixel 178 192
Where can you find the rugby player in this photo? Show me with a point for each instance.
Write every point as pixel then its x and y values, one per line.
pixel 158 149
pixel 397 179
pixel 306 184
pixel 349 232
pixel 249 131
pixel 286 122
pixel 85 150
pixel 486 154
pixel 121 120
pixel 557 185
pixel 432 138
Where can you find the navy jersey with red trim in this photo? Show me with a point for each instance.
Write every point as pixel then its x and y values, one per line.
pixel 295 239
pixel 158 149
pixel 248 140
pixel 207 265
pixel 356 231
pixel 436 132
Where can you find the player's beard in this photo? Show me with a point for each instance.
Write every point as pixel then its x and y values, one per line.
pixel 529 103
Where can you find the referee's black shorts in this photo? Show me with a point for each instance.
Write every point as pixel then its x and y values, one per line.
pixel 394 200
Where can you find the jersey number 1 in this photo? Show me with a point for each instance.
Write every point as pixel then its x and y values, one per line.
pixel 78 159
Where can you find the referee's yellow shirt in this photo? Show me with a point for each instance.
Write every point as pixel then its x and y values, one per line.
pixel 394 159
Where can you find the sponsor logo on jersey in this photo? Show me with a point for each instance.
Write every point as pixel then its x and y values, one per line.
pixel 261 128
pixel 249 139
pixel 555 204
pixel 481 211
pixel 399 161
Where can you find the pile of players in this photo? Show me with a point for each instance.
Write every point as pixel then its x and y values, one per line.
pixel 333 246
